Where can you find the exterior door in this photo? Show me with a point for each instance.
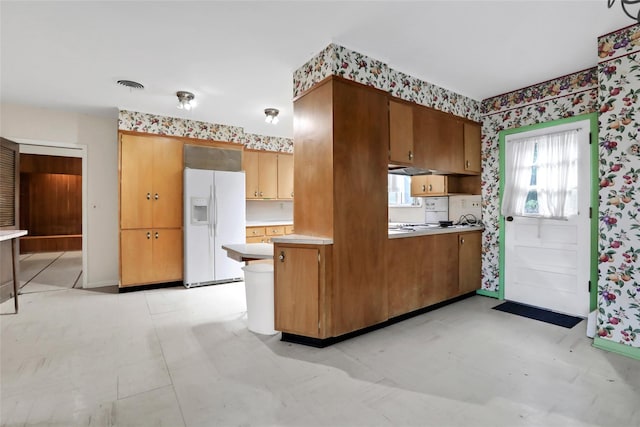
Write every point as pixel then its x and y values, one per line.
pixel 546 261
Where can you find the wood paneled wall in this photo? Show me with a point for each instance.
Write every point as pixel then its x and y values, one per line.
pixel 50 203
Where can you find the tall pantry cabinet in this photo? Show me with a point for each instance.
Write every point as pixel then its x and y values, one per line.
pixel 150 209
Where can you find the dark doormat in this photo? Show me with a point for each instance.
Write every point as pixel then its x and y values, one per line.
pixel 539 314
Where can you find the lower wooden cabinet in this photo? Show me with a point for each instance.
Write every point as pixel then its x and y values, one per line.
pixel 302 300
pixel 470 265
pixel 263 234
pixel 422 271
pixel 150 256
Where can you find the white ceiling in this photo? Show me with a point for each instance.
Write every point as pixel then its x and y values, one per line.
pixel 238 57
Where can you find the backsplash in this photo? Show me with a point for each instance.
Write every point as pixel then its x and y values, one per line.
pixel 340 61
pixel 173 126
pixel 269 210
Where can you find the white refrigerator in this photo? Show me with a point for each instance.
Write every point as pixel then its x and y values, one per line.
pixel 214 214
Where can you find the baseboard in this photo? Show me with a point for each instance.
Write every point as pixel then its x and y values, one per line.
pixel 614 347
pixel 485 293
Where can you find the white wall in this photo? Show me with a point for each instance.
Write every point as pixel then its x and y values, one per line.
pixel 100 136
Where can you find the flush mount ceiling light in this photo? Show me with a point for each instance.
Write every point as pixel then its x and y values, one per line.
pixel 271 115
pixel 185 100
pixel 130 84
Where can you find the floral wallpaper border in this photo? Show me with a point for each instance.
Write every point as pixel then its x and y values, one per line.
pixel 561 86
pixel 619 212
pixel 173 126
pixel 340 61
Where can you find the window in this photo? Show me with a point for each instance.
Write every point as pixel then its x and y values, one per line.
pixel 399 187
pixel 541 177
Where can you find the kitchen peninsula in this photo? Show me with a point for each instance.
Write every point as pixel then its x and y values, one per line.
pixel 355 275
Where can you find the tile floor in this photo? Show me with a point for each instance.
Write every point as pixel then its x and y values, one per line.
pixel 184 357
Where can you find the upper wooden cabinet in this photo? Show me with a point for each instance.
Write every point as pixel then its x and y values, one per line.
pixel 150 182
pixel 285 176
pixel 261 169
pixel 445 143
pixel 472 143
pixel 428 185
pixel 401 149
pixel 438 141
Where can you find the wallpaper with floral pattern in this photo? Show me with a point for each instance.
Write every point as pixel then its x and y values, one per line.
pixel 340 61
pixel 163 125
pixel 619 213
pixel 514 110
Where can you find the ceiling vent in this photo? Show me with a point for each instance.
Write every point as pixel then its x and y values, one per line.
pixel 130 84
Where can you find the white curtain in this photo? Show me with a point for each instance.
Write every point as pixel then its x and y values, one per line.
pixel 558 175
pixel 519 161
pixel 556 165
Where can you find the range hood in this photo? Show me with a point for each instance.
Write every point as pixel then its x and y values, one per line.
pixel 408 170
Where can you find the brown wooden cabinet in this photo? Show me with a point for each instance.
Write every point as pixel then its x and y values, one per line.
pixel 341 157
pixel 472 147
pixel 422 271
pixel 470 267
pixel 428 185
pixel 300 291
pixel 446 143
pixel 285 176
pixel 438 140
pixel 401 150
pixel 261 174
pixel 150 209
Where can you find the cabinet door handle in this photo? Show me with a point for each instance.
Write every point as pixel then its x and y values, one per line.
pixel 292 194
pixel 467 164
pixel 509 218
pixel 462 241
pixel 156 196
pixel 261 194
pixel 410 155
pixel 424 188
pixel 281 257
pixel 148 235
pixel 430 187
pixel 157 235
pixel 148 196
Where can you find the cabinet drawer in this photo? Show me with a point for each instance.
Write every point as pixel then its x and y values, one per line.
pixel 275 231
pixel 288 229
pixel 255 231
pixel 256 239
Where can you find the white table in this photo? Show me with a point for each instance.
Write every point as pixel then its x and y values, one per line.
pixel 13 235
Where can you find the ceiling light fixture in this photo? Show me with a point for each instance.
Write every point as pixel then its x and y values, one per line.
pixel 185 100
pixel 130 84
pixel 624 4
pixel 271 115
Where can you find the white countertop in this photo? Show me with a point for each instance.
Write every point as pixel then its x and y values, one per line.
pixel 249 251
pixel 11 234
pixel 399 234
pixel 302 239
pixel 269 223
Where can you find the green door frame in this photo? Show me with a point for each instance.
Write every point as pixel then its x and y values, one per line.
pixel 593 125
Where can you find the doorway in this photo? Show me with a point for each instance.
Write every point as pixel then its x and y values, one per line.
pixel 547 262
pixel 74 151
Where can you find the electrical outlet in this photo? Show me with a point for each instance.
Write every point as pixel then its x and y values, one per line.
pixel 475 204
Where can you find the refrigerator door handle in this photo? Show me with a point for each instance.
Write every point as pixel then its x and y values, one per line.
pixel 210 201
pixel 215 204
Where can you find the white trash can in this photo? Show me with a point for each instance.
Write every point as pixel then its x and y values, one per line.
pixel 258 285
